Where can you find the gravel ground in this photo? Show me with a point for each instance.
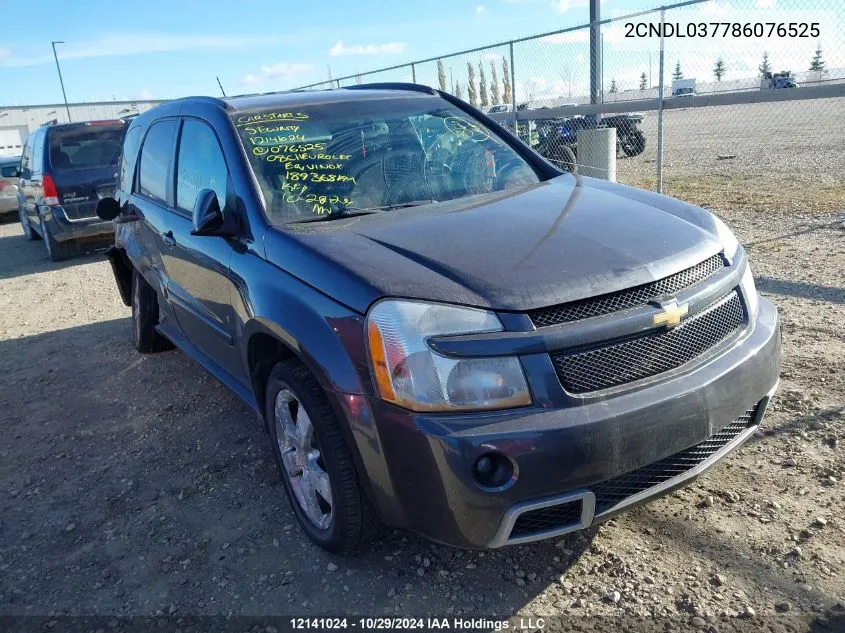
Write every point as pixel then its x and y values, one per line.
pixel 780 152
pixel 138 486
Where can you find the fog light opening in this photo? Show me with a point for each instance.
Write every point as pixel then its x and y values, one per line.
pixel 492 470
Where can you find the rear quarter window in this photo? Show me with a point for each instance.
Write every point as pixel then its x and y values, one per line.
pixel 38 152
pixel 128 159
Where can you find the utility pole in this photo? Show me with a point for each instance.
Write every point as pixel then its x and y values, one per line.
pixel 61 81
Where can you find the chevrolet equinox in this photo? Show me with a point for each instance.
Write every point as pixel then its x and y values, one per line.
pixel 440 330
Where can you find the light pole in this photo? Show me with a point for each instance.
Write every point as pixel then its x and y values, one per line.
pixel 61 81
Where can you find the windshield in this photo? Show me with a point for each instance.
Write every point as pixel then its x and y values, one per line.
pixel 373 153
pixel 85 147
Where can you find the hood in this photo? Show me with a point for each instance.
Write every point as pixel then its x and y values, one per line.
pixel 564 239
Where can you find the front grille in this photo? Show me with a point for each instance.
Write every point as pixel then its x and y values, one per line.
pixel 547 519
pixel 629 298
pixel 81 210
pixel 614 491
pixel 654 353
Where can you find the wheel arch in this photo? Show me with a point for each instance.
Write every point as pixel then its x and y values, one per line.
pixel 267 344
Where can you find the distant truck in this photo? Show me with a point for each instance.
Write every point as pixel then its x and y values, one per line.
pixel 778 81
pixel 683 88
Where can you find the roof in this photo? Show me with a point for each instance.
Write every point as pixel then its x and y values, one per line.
pixel 72 124
pixel 363 92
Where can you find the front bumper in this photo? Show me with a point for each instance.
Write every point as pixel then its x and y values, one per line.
pixel 64 228
pixel 562 449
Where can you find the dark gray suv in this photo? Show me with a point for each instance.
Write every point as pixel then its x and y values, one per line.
pixel 441 331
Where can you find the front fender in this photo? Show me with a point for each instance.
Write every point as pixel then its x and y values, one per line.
pixel 326 336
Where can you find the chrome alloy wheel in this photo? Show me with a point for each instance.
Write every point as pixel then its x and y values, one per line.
pixel 302 459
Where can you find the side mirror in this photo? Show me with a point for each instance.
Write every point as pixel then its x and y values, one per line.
pixel 10 172
pixel 108 208
pixel 208 218
pixel 25 173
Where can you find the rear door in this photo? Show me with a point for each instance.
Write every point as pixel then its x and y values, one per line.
pixel 83 162
pixel 151 200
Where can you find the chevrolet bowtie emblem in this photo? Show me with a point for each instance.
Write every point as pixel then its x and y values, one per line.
pixel 671 313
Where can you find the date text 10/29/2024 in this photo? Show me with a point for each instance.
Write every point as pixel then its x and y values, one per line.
pixel 417 624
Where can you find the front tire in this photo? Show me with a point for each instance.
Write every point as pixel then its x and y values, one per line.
pixel 317 470
pixel 145 317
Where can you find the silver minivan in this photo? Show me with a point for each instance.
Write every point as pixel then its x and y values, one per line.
pixel 9 184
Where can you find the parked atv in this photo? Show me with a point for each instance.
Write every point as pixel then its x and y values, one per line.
pixel 629 138
pixel 558 137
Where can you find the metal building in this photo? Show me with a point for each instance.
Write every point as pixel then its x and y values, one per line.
pixel 16 122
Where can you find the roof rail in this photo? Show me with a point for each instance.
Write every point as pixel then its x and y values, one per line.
pixel 394 85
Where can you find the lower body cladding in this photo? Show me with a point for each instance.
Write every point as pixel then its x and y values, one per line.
pixel 491 479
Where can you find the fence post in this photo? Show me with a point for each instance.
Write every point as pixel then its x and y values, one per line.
pixel 513 89
pixel 660 108
pixel 595 52
pixel 414 73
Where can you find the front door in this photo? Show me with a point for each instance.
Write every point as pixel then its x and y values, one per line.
pixel 200 287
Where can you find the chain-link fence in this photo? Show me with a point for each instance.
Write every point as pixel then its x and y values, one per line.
pixel 747 97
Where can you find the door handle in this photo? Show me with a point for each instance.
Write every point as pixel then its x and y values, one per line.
pixel 168 239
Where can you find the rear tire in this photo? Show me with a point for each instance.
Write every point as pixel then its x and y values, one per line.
pixel 56 251
pixel 315 462
pixel 634 144
pixel 145 318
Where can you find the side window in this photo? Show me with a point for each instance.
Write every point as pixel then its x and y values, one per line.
pixel 155 159
pixel 38 152
pixel 26 157
pixel 200 165
pixel 128 159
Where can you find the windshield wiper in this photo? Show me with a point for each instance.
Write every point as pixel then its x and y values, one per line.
pixel 348 212
pixel 398 205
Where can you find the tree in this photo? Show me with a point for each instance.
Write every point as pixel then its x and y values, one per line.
pixel 507 89
pixel 471 91
pixel 441 75
pixel 643 82
pixel 719 69
pixel 494 84
pixel 482 84
pixel 765 67
pixel 458 92
pixel 613 88
pixel 817 64
pixel 677 74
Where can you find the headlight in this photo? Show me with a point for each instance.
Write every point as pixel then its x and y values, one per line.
pixel 727 237
pixel 411 375
pixel 749 291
